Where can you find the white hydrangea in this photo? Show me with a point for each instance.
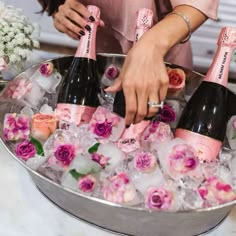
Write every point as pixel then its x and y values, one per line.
pixel 18 36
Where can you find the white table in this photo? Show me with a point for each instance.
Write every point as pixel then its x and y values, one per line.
pixel 24 211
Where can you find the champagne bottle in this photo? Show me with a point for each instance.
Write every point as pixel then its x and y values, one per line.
pixel 78 96
pixel 143 23
pixel 203 121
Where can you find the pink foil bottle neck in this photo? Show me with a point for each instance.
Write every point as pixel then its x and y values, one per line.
pixel 219 69
pixel 144 22
pixel 87 43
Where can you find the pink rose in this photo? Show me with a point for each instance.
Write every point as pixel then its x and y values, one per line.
pixel 106 125
pixel 167 114
pixel 183 159
pixel 158 199
pixel 100 159
pixel 103 129
pixel 214 191
pixel 46 68
pixel 16 126
pixel 87 183
pixel 111 72
pixel 65 153
pixel 118 189
pixel 145 162
pixel 25 150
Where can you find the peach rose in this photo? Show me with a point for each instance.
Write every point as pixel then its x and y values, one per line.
pixel 42 126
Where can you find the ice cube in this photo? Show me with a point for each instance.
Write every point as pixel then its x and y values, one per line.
pixel 225 175
pixel 190 199
pixel 47 81
pixel 35 98
pixel 27 111
pixel 46 109
pixel 225 155
pixel 177 159
pixel 143 181
pixel 210 168
pixel 106 125
pixel 231 132
pixel 35 162
pixel 177 106
pixel 84 165
pixel 115 155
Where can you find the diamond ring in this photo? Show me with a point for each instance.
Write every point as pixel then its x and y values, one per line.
pixel 155 104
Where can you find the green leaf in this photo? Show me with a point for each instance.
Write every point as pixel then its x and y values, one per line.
pixel 75 174
pixel 38 145
pixel 94 148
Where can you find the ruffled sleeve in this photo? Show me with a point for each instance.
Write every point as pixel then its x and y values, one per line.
pixel 208 7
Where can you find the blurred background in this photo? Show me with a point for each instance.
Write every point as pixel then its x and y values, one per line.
pixel 203 40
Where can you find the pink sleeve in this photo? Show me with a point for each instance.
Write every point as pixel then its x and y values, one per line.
pixel 208 7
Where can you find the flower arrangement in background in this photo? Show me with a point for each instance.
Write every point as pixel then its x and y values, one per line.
pixel 18 37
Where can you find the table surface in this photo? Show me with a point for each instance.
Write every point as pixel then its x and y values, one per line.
pixel 24 211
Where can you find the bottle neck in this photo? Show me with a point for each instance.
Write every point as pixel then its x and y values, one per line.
pixel 87 43
pixel 219 69
pixel 138 33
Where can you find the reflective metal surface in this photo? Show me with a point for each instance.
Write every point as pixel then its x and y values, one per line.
pixel 131 221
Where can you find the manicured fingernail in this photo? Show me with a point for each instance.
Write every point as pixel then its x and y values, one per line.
pixel 82 32
pixel 91 18
pixel 127 126
pixel 79 37
pixel 87 27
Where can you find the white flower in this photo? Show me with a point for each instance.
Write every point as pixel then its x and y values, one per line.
pixel 17 35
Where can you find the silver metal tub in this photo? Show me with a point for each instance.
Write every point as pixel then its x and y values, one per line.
pixel 113 217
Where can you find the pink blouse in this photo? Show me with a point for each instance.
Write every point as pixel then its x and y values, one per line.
pixel 119 16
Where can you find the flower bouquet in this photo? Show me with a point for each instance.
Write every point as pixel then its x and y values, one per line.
pixel 17 38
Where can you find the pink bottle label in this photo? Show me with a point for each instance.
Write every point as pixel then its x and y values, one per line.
pixel 218 72
pixel 74 113
pixel 87 43
pixel 207 148
pixel 143 23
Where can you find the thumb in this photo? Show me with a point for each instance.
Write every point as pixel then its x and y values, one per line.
pixel 117 86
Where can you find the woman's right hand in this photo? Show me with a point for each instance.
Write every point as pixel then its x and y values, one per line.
pixel 71 18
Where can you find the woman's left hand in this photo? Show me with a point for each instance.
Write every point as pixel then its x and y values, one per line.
pixel 143 78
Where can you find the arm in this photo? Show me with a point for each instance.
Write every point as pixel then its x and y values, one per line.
pixel 144 77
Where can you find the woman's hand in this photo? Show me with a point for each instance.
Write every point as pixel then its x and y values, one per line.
pixel 143 78
pixel 72 18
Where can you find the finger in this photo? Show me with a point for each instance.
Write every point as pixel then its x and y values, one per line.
pixel 153 97
pixel 163 90
pixel 81 9
pixel 115 87
pixel 142 99
pixel 131 105
pixel 63 29
pixel 69 24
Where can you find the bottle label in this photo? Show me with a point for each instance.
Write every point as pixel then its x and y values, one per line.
pixel 74 113
pixel 144 22
pixel 219 70
pixel 139 33
pixel 207 148
pixel 87 43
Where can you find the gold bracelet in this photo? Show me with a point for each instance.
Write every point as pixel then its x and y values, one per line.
pixel 185 18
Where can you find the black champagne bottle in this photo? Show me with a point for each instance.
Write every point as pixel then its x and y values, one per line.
pixel 78 96
pixel 203 122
